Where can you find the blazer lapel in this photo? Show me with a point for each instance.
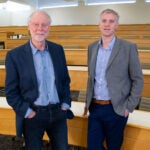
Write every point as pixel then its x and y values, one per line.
pixel 30 63
pixel 114 52
pixel 54 55
pixel 93 59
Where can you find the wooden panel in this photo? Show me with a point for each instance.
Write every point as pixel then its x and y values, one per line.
pixel 78 79
pixel 7 121
pixel 12 43
pixel 15 29
pixel 136 136
pixel 78 42
pixel 76 57
pixel 2 77
pixel 55 28
pixel 133 144
pixel 3 54
pixel 79 56
pixel 85 34
pixel 77 131
pixel 146 89
pixel 4 35
pixel 144 56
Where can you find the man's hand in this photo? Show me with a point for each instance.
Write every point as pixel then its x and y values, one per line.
pixel 126 113
pixel 31 115
pixel 85 111
pixel 63 108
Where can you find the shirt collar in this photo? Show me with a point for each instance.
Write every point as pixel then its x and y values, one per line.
pixel 110 45
pixel 35 50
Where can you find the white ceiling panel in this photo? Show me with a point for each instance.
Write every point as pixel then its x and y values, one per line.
pixel 98 2
pixel 47 3
pixel 39 4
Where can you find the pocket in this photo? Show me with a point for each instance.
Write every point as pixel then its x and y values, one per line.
pixel 64 113
pixel 70 114
pixel 32 117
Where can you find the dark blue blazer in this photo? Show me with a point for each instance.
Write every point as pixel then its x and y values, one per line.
pixel 21 88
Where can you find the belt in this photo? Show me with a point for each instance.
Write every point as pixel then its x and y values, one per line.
pixel 101 102
pixel 37 108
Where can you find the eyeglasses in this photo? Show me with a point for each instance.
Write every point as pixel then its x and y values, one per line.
pixel 43 25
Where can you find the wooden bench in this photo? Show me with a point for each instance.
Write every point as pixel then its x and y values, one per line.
pixel 78 57
pixel 81 35
pixel 78 70
pixel 136 137
pixel 15 29
pixel 79 77
pixel 144 56
pixel 146 88
pixel 126 29
pixel 12 43
pixel 2 77
pixel 145 104
pixel 136 134
pixel 76 42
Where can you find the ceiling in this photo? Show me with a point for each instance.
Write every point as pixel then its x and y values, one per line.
pixel 38 4
pixel 44 3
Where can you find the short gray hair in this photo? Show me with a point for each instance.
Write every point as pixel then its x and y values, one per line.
pixel 40 11
pixel 110 11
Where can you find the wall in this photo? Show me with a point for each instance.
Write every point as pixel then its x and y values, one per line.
pixel 5 18
pixel 136 13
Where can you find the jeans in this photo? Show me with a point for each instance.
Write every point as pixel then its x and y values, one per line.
pixel 105 125
pixel 51 120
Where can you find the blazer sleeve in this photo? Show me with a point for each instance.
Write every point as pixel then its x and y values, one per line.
pixel 12 90
pixel 136 76
pixel 65 81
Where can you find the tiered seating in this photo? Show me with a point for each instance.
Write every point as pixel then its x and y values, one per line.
pixel 79 36
pixel 77 64
pixel 78 57
pixel 137 131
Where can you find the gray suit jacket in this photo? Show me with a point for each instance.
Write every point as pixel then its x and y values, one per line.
pixel 123 74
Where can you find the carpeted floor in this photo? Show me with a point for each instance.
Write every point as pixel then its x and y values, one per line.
pixel 11 143
pixel 8 142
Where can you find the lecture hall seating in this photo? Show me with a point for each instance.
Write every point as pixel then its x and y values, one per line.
pixel 79 36
pixel 137 132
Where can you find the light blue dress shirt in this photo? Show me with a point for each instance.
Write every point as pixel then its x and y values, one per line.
pixel 45 78
pixel 100 87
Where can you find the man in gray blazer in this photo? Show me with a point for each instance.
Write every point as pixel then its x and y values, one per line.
pixel 114 85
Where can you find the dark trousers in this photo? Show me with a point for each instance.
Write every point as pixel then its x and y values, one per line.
pixel 53 121
pixel 105 124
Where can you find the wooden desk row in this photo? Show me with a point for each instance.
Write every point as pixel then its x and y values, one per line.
pixel 136 137
pixel 69 38
pixel 78 57
pixel 127 28
pixel 78 35
pixel 79 76
pixel 75 42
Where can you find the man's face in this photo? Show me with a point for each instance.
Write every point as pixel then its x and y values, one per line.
pixel 39 27
pixel 108 24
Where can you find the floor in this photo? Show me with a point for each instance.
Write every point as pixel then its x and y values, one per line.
pixel 11 143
